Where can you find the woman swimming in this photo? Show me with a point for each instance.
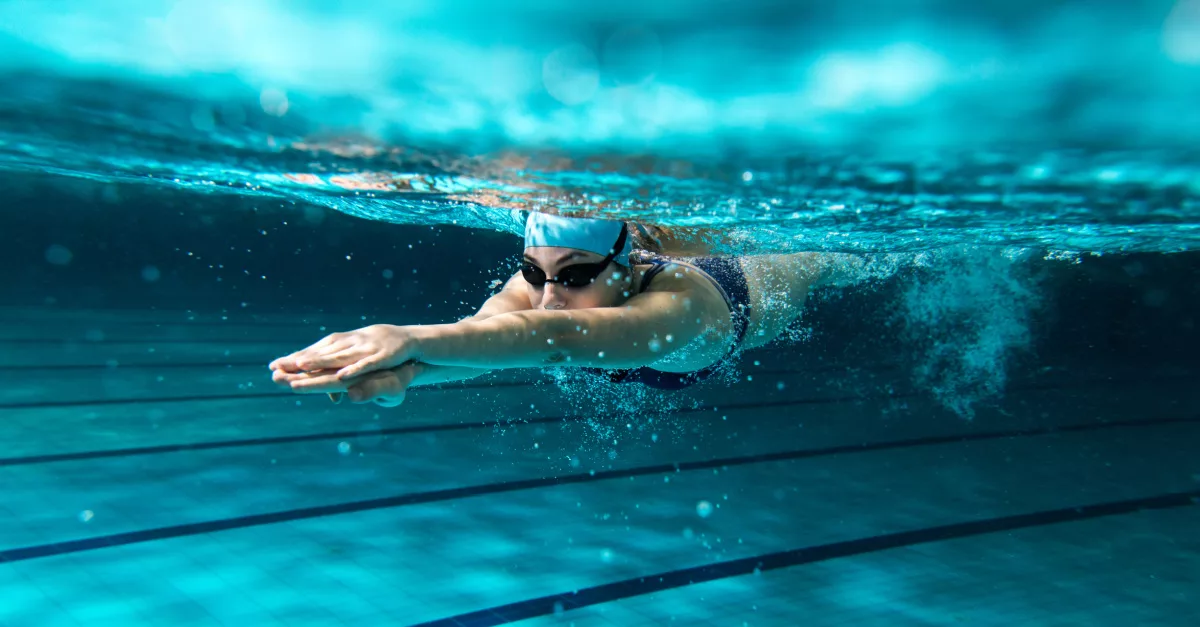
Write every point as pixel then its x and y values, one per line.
pixel 583 298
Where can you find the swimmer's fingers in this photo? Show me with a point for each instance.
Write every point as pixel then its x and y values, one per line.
pixel 298 361
pixel 285 379
pixel 284 364
pixel 320 384
pixel 291 363
pixel 364 366
pixel 337 359
pixel 356 353
pixel 282 378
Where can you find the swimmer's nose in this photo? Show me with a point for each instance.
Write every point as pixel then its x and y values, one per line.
pixel 554 297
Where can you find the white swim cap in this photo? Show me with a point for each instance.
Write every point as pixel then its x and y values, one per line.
pixel 594 235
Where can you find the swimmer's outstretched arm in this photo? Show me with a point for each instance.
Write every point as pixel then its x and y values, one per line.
pixel 632 335
pixel 509 299
pixel 645 330
pixel 287 371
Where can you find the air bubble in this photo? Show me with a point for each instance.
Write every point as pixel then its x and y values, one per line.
pixel 273 101
pixel 58 255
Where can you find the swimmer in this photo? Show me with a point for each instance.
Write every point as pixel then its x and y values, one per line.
pixel 586 298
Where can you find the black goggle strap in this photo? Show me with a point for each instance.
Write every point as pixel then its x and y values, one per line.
pixel 620 245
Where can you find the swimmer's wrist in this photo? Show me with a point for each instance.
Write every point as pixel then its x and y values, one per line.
pixel 423 339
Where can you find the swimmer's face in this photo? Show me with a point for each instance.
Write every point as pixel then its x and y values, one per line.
pixel 608 290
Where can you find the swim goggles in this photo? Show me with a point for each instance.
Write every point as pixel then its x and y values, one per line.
pixel 576 274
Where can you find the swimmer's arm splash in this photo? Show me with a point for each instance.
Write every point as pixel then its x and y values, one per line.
pixel 645 330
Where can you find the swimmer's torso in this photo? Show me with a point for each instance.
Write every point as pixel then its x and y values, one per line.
pixel 685 281
pixel 777 288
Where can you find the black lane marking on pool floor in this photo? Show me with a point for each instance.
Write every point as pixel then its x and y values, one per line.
pixel 262 362
pixel 628 588
pixel 182 325
pixel 348 435
pixel 119 366
pixel 200 446
pixel 222 397
pixel 39 308
pixel 287 439
pixel 452 494
pixel 284 393
pixel 249 340
pixel 64 325
pixel 509 384
pixel 263 441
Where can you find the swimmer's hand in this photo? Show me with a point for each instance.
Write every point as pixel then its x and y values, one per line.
pixel 355 353
pixel 384 387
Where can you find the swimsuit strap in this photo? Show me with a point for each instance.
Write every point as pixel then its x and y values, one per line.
pixel 729 279
pixel 656 268
pixel 727 276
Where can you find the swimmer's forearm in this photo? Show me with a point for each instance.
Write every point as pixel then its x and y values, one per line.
pixel 510 340
pixel 430 374
pixel 602 337
pixel 508 300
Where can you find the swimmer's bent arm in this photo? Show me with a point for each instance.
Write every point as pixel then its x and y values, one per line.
pixel 643 331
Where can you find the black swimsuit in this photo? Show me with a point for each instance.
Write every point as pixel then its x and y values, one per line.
pixel 727 275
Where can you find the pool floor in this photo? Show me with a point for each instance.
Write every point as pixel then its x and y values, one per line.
pixel 153 475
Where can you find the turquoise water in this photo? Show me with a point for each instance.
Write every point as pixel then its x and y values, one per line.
pixel 871 126
pixel 996 425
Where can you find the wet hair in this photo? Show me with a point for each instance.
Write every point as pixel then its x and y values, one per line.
pixel 647 236
pixel 685 242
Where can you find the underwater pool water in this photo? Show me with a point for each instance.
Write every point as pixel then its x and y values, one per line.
pixel 996 425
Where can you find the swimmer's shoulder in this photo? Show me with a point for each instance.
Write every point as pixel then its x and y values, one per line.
pixel 676 276
pixel 703 299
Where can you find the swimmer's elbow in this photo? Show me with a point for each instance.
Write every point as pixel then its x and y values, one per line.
pixel 550 338
pixel 566 341
pixel 578 341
